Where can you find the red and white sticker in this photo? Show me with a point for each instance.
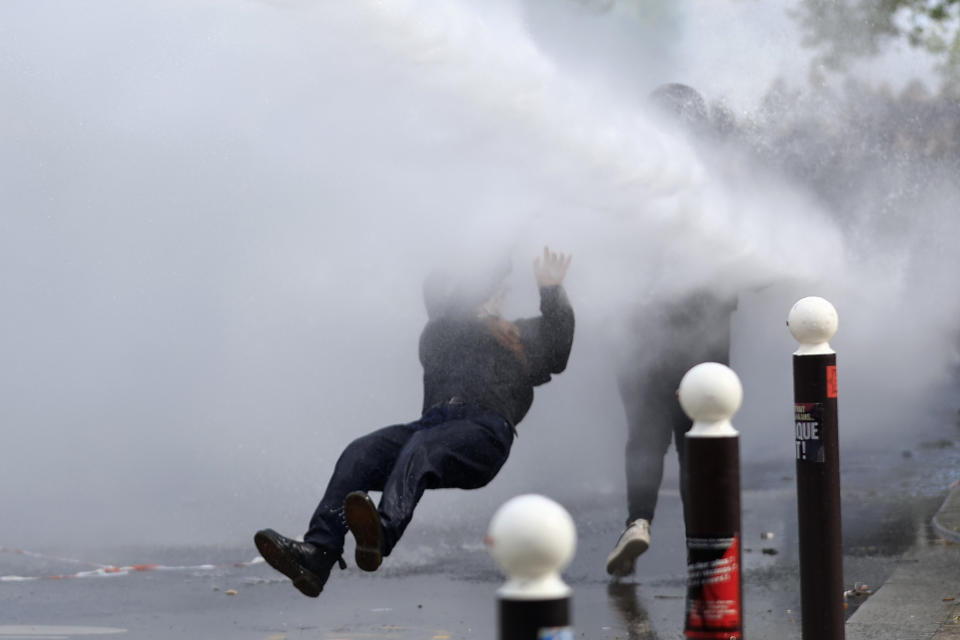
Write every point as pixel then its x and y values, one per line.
pixel 713 589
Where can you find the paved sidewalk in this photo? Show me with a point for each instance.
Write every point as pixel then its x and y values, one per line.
pixel 921 599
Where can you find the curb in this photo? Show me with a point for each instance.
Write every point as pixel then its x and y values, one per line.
pixel 918 600
pixel 946 521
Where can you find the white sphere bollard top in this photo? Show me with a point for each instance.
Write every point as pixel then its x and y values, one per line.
pixel 813 321
pixel 532 538
pixel 710 393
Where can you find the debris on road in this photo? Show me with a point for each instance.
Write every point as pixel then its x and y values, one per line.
pixel 859 590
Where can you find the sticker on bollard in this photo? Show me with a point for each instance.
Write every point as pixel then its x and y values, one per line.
pixel 809 431
pixel 832 381
pixel 713 588
pixel 555 633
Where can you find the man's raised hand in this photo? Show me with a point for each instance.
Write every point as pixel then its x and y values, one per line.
pixel 551 269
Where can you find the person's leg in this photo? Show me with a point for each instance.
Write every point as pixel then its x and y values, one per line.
pixel 364 465
pixel 646 402
pixel 461 453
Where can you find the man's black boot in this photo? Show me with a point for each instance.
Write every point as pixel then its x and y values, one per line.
pixel 306 564
pixel 364 522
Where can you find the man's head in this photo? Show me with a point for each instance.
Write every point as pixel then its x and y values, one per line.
pixel 466 289
pixel 682 103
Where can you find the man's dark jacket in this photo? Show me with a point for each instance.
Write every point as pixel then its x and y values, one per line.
pixel 463 359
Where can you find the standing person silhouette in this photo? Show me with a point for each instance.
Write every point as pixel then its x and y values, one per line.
pixel 671 337
pixel 688 331
pixel 479 374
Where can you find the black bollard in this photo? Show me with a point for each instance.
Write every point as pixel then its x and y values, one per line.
pixel 710 393
pixel 813 321
pixel 535 619
pixel 532 538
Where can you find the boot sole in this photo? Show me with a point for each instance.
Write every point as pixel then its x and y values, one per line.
pixel 623 563
pixel 364 523
pixel 268 545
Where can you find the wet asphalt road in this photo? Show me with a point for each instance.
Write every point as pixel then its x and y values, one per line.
pixel 440 583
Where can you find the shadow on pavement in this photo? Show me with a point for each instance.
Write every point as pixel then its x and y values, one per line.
pixel 624 602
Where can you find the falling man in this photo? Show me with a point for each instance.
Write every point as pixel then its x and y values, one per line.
pixel 479 372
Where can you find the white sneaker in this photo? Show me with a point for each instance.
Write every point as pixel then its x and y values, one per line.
pixel 634 540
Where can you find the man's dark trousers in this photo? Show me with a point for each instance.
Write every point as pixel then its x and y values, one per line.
pixel 453 445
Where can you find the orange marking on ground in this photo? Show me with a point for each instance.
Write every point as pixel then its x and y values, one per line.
pixel 144 567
